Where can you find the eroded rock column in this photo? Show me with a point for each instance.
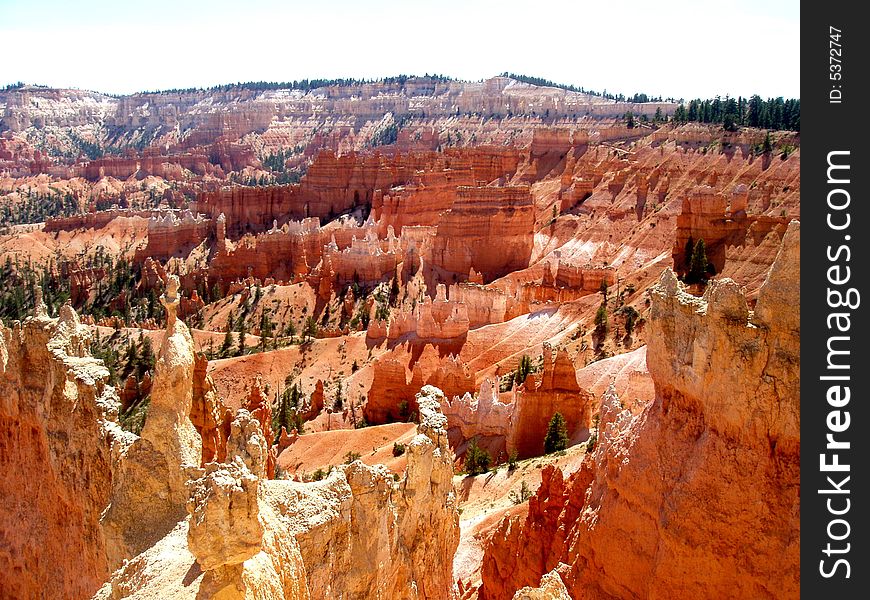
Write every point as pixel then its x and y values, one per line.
pixel 150 495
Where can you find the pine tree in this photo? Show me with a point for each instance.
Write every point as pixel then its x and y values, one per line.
pixel 394 291
pixel 698 268
pixel 730 122
pixel 146 358
pixel 524 368
pixel 310 328
pixel 477 460
pixel 227 344
pixel 557 434
pixel 767 146
pixel 265 329
pixel 601 320
pixel 631 316
pixel 687 254
pixel 513 459
pixel 339 399
pixel 243 333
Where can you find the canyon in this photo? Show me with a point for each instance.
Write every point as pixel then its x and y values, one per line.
pixel 418 339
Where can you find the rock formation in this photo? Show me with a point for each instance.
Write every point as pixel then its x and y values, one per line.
pixel 392 396
pixel 551 588
pixel 174 235
pixel 496 238
pixel 358 533
pixel 518 419
pixel 58 442
pixel 257 414
pixel 537 402
pixel 208 414
pixel 224 528
pixel 725 222
pixel 149 494
pixel 482 415
pixel 698 495
pixel 438 319
pixel 488 229
pixel 247 443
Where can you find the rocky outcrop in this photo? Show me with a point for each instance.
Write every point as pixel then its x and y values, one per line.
pixel 698 494
pixel 174 235
pixel 58 442
pixel 537 401
pixel 392 396
pixel 365 261
pixel 551 588
pixel 482 415
pixel 488 229
pixel 432 190
pixel 81 281
pixel 518 419
pixel 314 404
pixel 438 319
pixel 149 494
pixel 212 160
pixel 248 444
pixel 339 183
pixel 94 220
pixel 359 533
pixel 339 253
pixel 726 223
pixel 413 557
pixel 254 449
pixel 209 415
pixel 224 527
pixel 332 185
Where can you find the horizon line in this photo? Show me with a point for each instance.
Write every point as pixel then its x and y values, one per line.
pixel 348 81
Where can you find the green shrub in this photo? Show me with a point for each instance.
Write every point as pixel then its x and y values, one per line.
pixel 524 493
pixel 557 434
pixel 477 460
pixel 513 458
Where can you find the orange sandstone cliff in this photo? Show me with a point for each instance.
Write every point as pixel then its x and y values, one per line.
pixel 58 440
pixel 698 494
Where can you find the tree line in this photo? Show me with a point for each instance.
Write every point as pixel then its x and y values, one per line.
pixel 301 84
pixel 773 113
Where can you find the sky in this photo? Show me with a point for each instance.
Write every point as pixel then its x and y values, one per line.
pixel 674 49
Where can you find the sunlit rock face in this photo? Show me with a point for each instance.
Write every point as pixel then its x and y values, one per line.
pixel 58 443
pixel 698 494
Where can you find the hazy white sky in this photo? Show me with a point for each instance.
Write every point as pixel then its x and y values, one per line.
pixel 679 49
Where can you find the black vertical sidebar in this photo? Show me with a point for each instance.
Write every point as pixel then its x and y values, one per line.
pixel 835 270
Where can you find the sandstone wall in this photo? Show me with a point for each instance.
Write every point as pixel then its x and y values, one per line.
pixel 489 229
pixel 96 220
pixel 538 400
pixel 57 446
pixel 170 235
pixel 724 222
pixel 698 495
